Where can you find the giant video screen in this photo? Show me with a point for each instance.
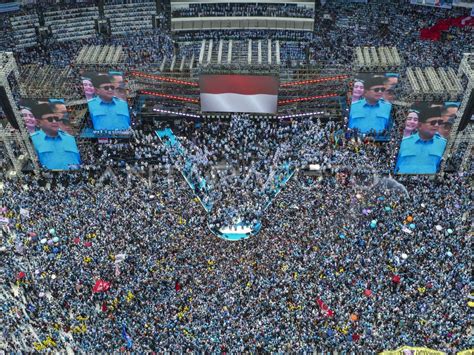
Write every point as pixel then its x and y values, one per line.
pixel 51 132
pixel 106 95
pixel 426 131
pixel 239 93
pixel 371 103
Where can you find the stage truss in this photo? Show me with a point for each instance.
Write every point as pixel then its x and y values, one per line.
pixel 15 140
pixel 465 137
pixel 377 59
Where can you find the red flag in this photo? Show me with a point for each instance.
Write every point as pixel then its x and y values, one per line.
pixel 429 34
pixel 324 307
pixel 177 286
pixel 101 286
pixel 396 279
pixel 21 275
pixel 434 32
pixel 442 25
pixel 104 307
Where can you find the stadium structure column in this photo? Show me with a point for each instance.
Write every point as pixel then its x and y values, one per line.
pixel 100 5
pixel 39 12
pixel 165 10
pixel 8 67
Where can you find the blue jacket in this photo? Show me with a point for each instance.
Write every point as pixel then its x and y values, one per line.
pixel 367 117
pixel 56 153
pixel 109 116
pixel 417 156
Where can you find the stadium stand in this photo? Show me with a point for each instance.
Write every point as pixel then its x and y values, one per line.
pixel 133 251
pixel 73 24
pixel 125 18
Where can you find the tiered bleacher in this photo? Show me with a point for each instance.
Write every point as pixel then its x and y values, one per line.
pixel 24 29
pixel 73 23
pixel 243 10
pixel 125 18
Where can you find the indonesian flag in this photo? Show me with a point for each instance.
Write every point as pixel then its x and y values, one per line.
pixel 239 93
pixel 101 286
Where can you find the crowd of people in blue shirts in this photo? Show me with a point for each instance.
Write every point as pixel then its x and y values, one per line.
pixel 178 287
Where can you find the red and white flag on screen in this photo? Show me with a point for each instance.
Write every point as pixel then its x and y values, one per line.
pixel 239 93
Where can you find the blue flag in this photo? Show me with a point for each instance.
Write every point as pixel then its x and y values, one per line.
pixel 126 337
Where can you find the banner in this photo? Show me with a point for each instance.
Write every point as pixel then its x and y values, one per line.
pixel 411 350
pixel 445 4
pixel 433 33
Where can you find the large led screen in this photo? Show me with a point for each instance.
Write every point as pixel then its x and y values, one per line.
pixel 425 134
pixel 106 96
pixel 47 121
pixel 239 93
pixel 371 107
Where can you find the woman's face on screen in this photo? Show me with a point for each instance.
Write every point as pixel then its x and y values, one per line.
pixel 358 89
pixel 88 87
pixel 28 118
pixel 412 121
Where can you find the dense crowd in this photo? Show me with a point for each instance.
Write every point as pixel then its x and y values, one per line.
pixel 318 276
pixel 332 41
pixel 236 9
pixel 119 255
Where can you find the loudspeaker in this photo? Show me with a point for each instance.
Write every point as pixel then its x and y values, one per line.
pixel 444 36
pixel 43 33
pixel 156 21
pixel 102 26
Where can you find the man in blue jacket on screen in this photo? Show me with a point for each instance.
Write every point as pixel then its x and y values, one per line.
pixel 372 113
pixel 107 111
pixel 56 149
pixel 421 153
